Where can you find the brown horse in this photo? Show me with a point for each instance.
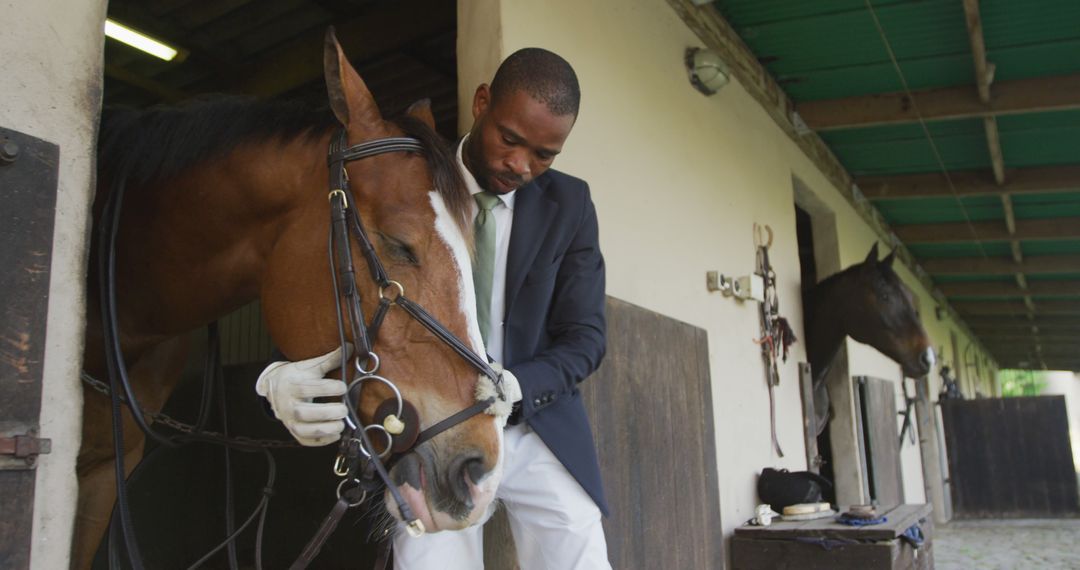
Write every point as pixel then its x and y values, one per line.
pixel 869 303
pixel 226 203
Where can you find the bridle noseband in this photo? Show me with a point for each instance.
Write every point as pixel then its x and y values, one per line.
pixel 361 467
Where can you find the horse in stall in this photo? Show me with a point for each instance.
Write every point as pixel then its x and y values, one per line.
pixel 226 203
pixel 869 303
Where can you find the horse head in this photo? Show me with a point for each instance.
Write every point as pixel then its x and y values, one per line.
pixel 415 209
pixel 881 313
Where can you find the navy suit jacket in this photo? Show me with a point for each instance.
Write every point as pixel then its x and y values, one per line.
pixel 554 329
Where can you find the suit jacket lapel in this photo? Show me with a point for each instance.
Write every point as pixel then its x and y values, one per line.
pixel 533 214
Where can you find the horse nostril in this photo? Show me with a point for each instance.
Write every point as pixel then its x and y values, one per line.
pixel 466 470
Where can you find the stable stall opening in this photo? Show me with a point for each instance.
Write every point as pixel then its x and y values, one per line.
pixel 268 50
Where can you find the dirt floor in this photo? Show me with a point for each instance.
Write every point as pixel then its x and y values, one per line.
pixel 1008 544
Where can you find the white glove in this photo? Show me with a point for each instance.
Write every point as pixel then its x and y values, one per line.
pixel 511 391
pixel 291 386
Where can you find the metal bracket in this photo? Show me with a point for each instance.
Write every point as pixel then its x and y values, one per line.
pixel 20 451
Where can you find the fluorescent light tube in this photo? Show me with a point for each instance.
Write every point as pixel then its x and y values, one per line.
pixel 139 41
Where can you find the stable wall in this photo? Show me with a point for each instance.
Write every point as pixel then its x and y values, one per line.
pixel 51 88
pixel 678 180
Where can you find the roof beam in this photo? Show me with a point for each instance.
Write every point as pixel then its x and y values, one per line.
pixel 1037 94
pixel 1002 265
pixel 387 27
pixel 1005 288
pixel 1042 322
pixel 154 87
pixel 1016 307
pixel 971 183
pixel 957 232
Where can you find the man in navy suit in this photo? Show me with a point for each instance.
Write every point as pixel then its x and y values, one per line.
pixel 544 321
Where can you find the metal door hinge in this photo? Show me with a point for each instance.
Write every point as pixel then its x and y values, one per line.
pixel 21 451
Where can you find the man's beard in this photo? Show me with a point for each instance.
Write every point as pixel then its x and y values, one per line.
pixel 486 177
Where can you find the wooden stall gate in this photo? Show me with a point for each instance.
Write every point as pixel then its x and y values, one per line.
pixel 651 409
pixel 1010 457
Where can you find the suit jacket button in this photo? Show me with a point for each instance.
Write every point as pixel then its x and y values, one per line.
pixel 537 402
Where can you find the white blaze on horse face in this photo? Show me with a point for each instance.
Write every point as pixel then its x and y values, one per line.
pixel 449 231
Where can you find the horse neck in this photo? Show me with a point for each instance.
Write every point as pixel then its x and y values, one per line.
pixel 825 318
pixel 201 241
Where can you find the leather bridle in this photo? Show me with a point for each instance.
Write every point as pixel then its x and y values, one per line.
pixel 362 469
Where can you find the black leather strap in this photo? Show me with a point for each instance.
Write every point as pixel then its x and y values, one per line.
pixel 325 530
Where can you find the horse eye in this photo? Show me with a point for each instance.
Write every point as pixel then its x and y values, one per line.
pixel 399 250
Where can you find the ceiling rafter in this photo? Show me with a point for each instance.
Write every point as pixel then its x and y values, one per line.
pixel 958 232
pixel 1004 288
pixel 1034 95
pixel 984 76
pixel 1069 263
pixel 1015 307
pixel 971 183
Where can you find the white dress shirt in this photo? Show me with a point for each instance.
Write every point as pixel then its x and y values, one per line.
pixel 504 220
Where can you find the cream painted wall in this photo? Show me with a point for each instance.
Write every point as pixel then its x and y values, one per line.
pixel 51 88
pixel 678 180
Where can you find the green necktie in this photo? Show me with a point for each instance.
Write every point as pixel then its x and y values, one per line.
pixel 484 262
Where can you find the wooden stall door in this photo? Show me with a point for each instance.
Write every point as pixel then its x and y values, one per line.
pixel 651 409
pixel 1010 457
pixel 880 446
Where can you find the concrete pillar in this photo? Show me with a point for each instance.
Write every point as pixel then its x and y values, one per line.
pixel 51 61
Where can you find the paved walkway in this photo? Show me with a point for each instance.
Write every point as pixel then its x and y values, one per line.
pixel 1008 545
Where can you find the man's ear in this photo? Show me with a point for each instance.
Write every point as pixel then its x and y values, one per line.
pixel 481 100
pixel 422 110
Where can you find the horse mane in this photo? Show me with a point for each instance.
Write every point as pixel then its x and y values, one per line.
pixel 146 145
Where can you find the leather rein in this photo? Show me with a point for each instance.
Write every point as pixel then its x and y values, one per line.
pixel 361 467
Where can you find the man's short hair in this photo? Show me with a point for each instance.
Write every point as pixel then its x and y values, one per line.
pixel 545 76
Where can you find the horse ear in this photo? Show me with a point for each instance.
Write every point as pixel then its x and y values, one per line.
pixel 871 258
pixel 422 110
pixel 350 99
pixel 888 261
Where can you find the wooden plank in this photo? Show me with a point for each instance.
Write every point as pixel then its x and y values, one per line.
pixel 1016 307
pixel 955 232
pixel 28 177
pixel 654 523
pixel 1037 94
pixel 806 393
pixel 1043 322
pixel 1003 265
pixel 750 554
pixel 899 519
pixel 933 478
pixel 1004 288
pixel 878 401
pixel 971 183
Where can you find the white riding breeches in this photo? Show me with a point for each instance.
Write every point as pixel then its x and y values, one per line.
pixel 555 524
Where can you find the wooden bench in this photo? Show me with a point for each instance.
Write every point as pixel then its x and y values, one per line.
pixel 828 545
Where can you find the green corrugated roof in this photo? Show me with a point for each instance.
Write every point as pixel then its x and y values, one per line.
pixel 831 49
